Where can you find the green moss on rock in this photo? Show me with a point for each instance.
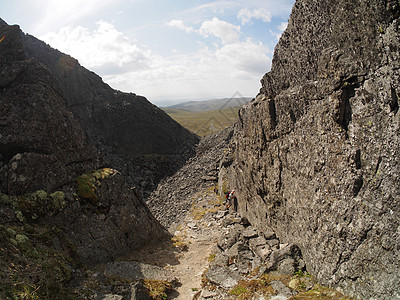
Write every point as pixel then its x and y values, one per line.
pixel 59 202
pixel 86 184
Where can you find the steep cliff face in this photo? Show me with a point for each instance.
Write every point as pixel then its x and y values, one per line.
pixel 317 151
pixel 47 165
pixel 136 137
pixel 42 146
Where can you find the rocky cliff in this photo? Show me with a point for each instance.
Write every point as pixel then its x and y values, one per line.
pixel 136 137
pixel 58 204
pixel 42 145
pixel 317 152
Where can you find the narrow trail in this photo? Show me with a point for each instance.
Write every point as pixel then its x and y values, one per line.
pixel 194 241
pixel 200 232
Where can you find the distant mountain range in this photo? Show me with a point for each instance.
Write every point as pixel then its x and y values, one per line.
pixel 206 105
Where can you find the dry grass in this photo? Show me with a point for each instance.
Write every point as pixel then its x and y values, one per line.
pixel 158 289
pixel 205 122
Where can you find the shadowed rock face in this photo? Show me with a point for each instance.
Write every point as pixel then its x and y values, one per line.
pixel 128 130
pixel 43 148
pixel 317 152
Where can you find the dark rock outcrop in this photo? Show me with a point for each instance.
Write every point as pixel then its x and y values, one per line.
pixel 317 152
pixel 42 146
pixel 135 136
pixel 47 163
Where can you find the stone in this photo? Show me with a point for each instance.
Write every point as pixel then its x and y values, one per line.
pixel 290 255
pixel 279 297
pixel 294 283
pixel 130 270
pixel 126 226
pixel 273 243
pixel 206 294
pixel 263 252
pixel 269 235
pixel 228 240
pixel 139 291
pixel 220 214
pixel 222 276
pixel 250 232
pixel 192 225
pixel 287 266
pixel 281 288
pixel 256 242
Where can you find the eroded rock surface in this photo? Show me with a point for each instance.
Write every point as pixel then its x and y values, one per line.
pixel 317 151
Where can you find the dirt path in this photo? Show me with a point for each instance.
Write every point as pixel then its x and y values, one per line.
pixel 194 240
pixel 200 232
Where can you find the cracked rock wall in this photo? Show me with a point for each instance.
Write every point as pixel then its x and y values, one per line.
pixel 317 152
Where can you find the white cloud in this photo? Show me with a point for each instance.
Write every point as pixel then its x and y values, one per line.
pixel 215 71
pixel 227 32
pixel 246 15
pixel 56 14
pixel 104 50
pixel 180 25
pixel 281 28
pixel 207 73
pixel 246 57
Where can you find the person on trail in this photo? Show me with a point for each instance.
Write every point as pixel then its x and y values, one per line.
pixel 227 202
pixel 230 196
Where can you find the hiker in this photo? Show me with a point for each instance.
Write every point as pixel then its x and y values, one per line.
pixel 227 202
pixel 229 198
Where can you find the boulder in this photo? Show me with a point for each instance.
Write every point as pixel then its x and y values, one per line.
pixel 222 276
pixel 250 232
pixel 130 270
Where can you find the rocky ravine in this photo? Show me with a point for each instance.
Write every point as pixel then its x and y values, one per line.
pixel 315 157
pixel 317 152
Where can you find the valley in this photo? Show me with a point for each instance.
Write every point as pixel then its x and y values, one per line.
pixel 292 194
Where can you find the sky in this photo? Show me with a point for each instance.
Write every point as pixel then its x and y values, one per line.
pixel 166 50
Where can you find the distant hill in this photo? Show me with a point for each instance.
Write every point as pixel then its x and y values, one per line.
pixel 204 123
pixel 208 105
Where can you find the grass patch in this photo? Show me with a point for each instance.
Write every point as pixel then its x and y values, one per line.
pixel 247 289
pixel 205 122
pixel 211 257
pixel 319 292
pixel 158 289
pixel 179 241
pixel 30 268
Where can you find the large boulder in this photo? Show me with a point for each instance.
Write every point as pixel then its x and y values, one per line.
pixel 317 152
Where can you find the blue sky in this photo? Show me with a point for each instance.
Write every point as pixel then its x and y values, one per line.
pixel 162 49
